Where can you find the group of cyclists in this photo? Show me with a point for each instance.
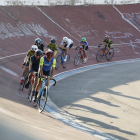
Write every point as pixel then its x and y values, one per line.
pixel 43 62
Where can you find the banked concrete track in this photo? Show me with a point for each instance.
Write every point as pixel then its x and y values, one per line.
pixel 19 26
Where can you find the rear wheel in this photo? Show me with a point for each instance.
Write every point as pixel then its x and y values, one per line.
pixel 58 62
pixel 64 64
pixel 110 54
pixel 77 59
pixel 99 55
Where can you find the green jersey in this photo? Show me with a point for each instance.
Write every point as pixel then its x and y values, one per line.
pixel 109 42
pixel 30 53
pixel 52 47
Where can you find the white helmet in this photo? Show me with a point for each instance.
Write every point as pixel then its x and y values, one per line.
pixel 34 48
pixel 65 39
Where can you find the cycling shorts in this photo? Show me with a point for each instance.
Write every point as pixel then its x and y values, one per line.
pixel 46 73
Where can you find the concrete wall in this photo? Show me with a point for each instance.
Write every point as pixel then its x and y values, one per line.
pixel 65 2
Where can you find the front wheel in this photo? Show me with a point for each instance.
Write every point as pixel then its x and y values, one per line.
pixel 77 59
pixel 58 62
pixel 110 54
pixel 99 55
pixel 42 102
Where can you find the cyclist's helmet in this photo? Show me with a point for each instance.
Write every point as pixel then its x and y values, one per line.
pixel 34 48
pixel 37 41
pixel 106 37
pixel 65 39
pixel 83 39
pixel 53 41
pixel 49 53
pixel 38 52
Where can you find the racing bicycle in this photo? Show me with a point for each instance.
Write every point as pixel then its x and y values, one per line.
pixel 43 92
pixel 60 60
pixel 80 56
pixel 32 86
pixel 107 54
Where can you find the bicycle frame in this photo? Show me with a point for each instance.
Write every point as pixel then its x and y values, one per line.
pixel 81 52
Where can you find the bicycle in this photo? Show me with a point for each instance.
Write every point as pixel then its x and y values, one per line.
pixel 32 86
pixel 60 60
pixel 79 56
pixel 42 103
pixel 101 54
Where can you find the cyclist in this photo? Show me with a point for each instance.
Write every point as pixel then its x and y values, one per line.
pixel 27 60
pixel 39 45
pixel 34 66
pixel 68 43
pixel 84 44
pixel 109 44
pixel 46 69
pixel 52 46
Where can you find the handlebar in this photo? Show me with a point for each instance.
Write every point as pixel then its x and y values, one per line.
pixel 53 80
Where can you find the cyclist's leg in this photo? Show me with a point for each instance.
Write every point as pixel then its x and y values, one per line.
pixel 26 69
pixel 37 87
pixel 84 52
pixel 24 73
pixel 55 52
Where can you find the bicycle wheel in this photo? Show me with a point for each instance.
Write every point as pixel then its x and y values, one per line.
pixel 110 55
pixel 64 64
pixel 58 62
pixel 29 91
pixel 77 59
pixel 42 103
pixel 99 55
pixel 87 54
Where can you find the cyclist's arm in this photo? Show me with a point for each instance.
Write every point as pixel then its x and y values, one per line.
pixel 61 45
pixel 30 66
pixel 55 52
pixel 41 66
pixel 53 67
pixel 31 62
pixel 85 47
pixel 26 58
pixel 40 70
pixel 52 72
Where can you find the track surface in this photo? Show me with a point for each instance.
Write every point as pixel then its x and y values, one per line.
pixel 21 25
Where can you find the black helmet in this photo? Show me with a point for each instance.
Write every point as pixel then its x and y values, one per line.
pixel 53 41
pixel 38 52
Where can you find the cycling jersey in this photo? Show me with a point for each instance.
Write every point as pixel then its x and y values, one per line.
pixel 47 64
pixel 52 47
pixel 109 42
pixel 30 53
pixel 35 62
pixel 84 43
pixel 69 42
pixel 41 47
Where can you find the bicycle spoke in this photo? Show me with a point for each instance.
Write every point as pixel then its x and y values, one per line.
pixel 58 62
pixel 42 102
pixel 99 55
pixel 110 55
pixel 77 59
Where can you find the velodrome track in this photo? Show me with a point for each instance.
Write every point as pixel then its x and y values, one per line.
pixel 21 25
